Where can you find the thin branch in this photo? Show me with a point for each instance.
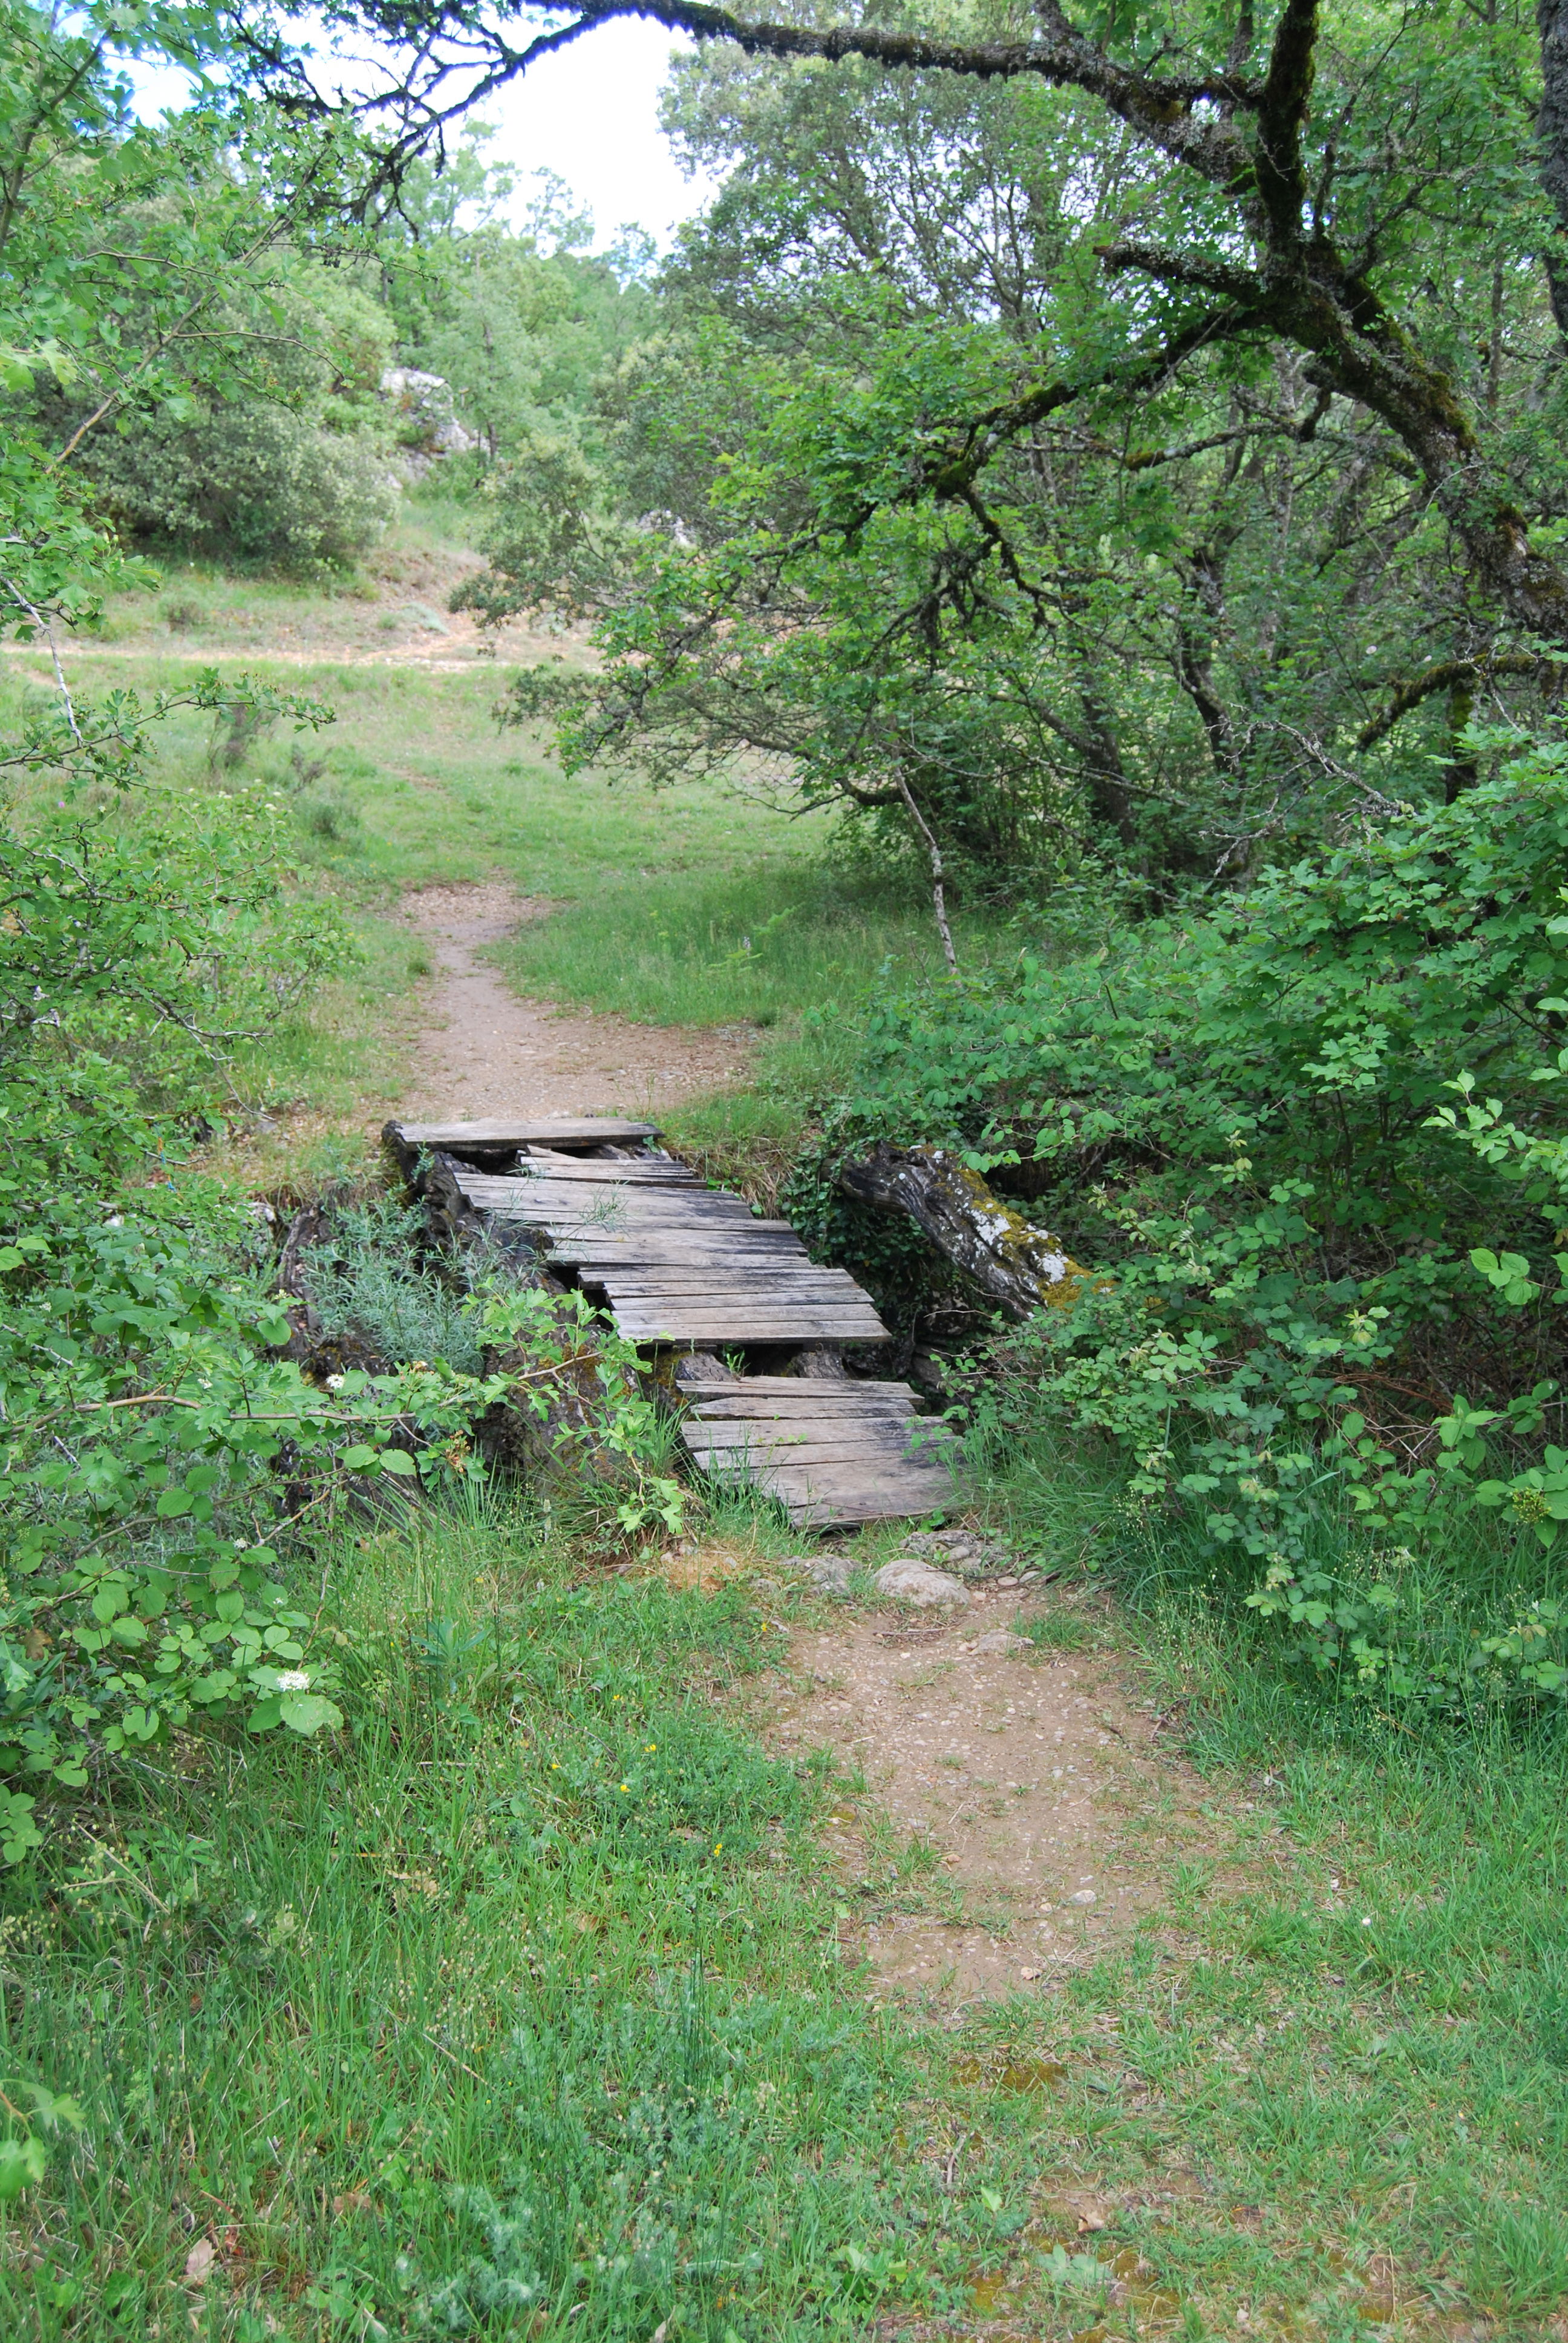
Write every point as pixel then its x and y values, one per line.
pixel 47 631
pixel 939 892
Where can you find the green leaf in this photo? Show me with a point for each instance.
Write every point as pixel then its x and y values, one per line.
pixel 398 1461
pixel 22 2162
pixel 307 1713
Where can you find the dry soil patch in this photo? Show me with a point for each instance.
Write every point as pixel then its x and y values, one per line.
pixel 487 1052
pixel 1038 1782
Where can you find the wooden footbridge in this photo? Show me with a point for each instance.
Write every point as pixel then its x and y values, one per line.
pixel 682 1267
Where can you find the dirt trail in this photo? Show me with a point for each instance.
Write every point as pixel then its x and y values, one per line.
pixel 1037 1784
pixel 435 643
pixel 1047 1813
pixel 1027 1797
pixel 487 1052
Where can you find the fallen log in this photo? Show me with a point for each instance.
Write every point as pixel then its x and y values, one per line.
pixel 1016 1265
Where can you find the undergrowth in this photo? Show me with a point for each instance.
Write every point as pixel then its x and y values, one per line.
pixel 529 2007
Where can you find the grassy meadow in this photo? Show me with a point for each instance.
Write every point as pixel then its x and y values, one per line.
pixel 531 2007
pixel 705 905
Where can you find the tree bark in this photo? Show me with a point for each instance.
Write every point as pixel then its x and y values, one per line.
pixel 1551 130
pixel 1015 1263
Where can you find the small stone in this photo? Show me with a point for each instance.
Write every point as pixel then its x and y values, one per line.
pixel 831 1571
pixel 1028 1976
pixel 999 1639
pixel 1084 1895
pixel 907 1580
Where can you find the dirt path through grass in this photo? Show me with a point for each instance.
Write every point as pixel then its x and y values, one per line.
pixel 1030 1785
pixel 485 1051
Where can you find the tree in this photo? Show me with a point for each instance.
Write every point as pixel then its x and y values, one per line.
pixel 1285 185
pixel 949 505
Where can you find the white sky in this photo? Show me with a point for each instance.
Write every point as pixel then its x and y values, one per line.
pixel 590 114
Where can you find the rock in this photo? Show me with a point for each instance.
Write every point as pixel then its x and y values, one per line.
pixel 907 1581
pixel 1084 1895
pixel 425 401
pixel 829 1571
pixel 961 1550
pixel 1002 1639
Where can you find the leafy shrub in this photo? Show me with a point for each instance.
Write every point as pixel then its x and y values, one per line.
pixel 145 1592
pixel 160 1457
pixel 279 461
pixel 158 943
pixel 252 481
pixel 1246 1119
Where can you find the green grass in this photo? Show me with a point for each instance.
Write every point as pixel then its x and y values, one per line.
pixel 444 2030
pixel 542 1928
pixel 696 906
pixel 438 2029
pixel 735 919
pixel 700 905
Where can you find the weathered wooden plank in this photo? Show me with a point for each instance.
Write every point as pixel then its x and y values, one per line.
pixel 858 1477
pixel 879 1437
pixel 818 1495
pixel 582 1195
pixel 765 1286
pixel 591 1257
pixel 790 1387
pixel 800 1278
pixel 739 1309
pixel 800 1456
pixel 654 1253
pixel 568 1173
pixel 904 1433
pixel 661 1249
pixel 723 1411
pixel 599 1172
pixel 621 1224
pixel 543 1131
pixel 886 1421
pixel 739 1328
pixel 624 1207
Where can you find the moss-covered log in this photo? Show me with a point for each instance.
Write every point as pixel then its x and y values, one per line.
pixel 1016 1265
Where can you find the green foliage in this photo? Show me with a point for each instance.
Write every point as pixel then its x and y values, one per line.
pixel 903 495
pixel 24 2159
pixel 248 481
pixel 163 1463
pixel 366 1280
pixel 157 324
pixel 1240 1121
pixel 158 943
pixel 144 1593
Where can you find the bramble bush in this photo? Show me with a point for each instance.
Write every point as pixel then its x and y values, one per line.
pixel 1329 1321
pixel 161 1460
